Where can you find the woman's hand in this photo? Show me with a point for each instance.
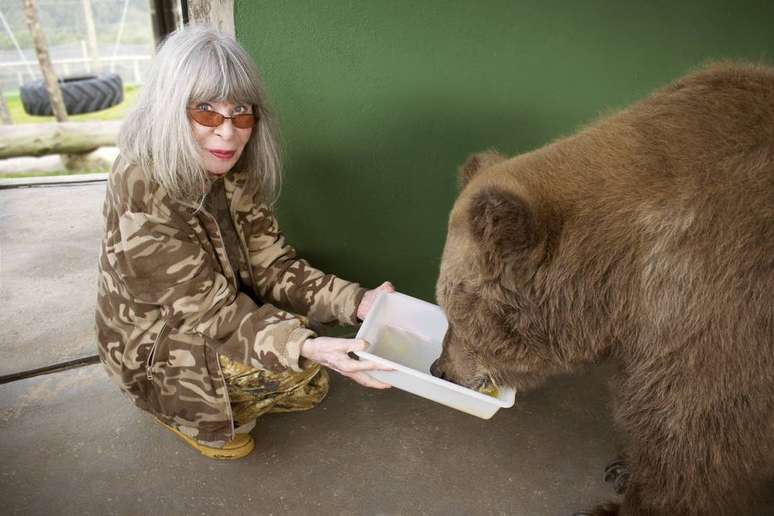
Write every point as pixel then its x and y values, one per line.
pixel 368 299
pixel 332 353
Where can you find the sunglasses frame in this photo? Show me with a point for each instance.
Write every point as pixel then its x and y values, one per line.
pixel 192 112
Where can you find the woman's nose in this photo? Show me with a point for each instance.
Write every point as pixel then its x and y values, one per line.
pixel 225 130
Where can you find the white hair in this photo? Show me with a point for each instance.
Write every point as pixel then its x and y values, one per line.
pixel 198 64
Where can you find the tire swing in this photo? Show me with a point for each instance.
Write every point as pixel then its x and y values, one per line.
pixel 81 94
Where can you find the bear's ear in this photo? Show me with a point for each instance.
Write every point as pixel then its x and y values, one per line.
pixel 505 227
pixel 474 164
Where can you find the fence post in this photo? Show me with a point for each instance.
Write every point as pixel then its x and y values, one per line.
pixel 86 59
pixel 88 16
pixel 5 115
pixel 41 49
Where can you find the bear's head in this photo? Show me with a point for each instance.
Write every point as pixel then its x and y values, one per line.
pixel 498 236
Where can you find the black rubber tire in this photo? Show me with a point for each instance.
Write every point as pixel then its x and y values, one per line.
pixel 82 94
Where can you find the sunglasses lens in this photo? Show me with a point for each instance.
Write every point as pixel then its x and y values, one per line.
pixel 244 121
pixel 207 118
pixel 214 119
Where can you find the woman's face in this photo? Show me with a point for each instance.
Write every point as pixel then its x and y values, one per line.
pixel 221 146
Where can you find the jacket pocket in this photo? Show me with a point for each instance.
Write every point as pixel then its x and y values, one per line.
pixel 152 355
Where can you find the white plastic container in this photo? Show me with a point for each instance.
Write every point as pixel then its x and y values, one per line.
pixel 393 315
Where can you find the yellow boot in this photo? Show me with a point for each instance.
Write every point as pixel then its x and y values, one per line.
pixel 240 446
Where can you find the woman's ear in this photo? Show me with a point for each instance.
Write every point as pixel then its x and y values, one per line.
pixel 506 228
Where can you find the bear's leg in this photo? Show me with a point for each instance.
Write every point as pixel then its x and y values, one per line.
pixel 670 483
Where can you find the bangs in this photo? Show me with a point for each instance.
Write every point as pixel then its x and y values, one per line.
pixel 221 76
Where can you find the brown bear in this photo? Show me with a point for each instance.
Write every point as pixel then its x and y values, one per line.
pixel 647 238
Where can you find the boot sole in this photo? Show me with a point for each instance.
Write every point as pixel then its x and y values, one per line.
pixel 211 452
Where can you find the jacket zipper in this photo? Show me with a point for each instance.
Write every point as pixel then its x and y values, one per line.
pixel 246 257
pixel 245 253
pixel 152 354
pixel 229 412
pixel 227 266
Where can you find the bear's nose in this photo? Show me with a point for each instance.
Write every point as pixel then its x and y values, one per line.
pixel 436 371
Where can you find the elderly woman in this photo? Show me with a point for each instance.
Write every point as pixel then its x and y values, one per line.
pixel 203 310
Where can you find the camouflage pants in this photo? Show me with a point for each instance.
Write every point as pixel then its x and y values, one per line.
pixel 254 392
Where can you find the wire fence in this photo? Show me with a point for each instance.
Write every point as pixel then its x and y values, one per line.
pixel 119 35
pixel 131 68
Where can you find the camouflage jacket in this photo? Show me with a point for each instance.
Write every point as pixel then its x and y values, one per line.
pixel 168 302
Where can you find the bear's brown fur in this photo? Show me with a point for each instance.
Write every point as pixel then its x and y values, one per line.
pixel 648 238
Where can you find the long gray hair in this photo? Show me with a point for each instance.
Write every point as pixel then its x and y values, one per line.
pixel 198 64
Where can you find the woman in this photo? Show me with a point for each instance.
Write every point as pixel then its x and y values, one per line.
pixel 203 310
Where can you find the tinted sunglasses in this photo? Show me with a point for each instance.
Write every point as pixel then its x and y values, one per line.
pixel 214 119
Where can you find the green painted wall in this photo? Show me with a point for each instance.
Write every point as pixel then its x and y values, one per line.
pixel 380 101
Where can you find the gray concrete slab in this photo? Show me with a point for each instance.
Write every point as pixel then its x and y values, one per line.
pixel 49 240
pixel 52 180
pixel 71 444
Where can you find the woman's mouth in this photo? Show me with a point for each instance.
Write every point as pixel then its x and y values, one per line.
pixel 222 154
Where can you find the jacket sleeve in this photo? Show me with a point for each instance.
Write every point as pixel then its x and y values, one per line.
pixel 163 263
pixel 290 282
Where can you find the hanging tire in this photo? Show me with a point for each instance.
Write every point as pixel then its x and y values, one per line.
pixel 82 94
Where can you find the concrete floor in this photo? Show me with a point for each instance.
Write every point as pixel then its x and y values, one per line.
pixel 49 241
pixel 71 444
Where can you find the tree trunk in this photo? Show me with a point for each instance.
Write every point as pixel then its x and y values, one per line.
pixel 41 49
pixel 5 115
pixel 62 138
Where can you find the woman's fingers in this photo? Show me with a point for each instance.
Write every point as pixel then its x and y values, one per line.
pixel 333 353
pixel 370 297
pixel 358 364
pixel 357 345
pixel 352 366
pixel 386 286
pixel 366 380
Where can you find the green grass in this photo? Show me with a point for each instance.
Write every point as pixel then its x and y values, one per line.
pixel 114 113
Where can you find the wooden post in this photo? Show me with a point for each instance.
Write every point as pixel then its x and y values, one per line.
pixel 41 49
pixel 217 13
pixel 5 115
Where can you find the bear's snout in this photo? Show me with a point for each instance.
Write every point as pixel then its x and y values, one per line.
pixel 436 370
